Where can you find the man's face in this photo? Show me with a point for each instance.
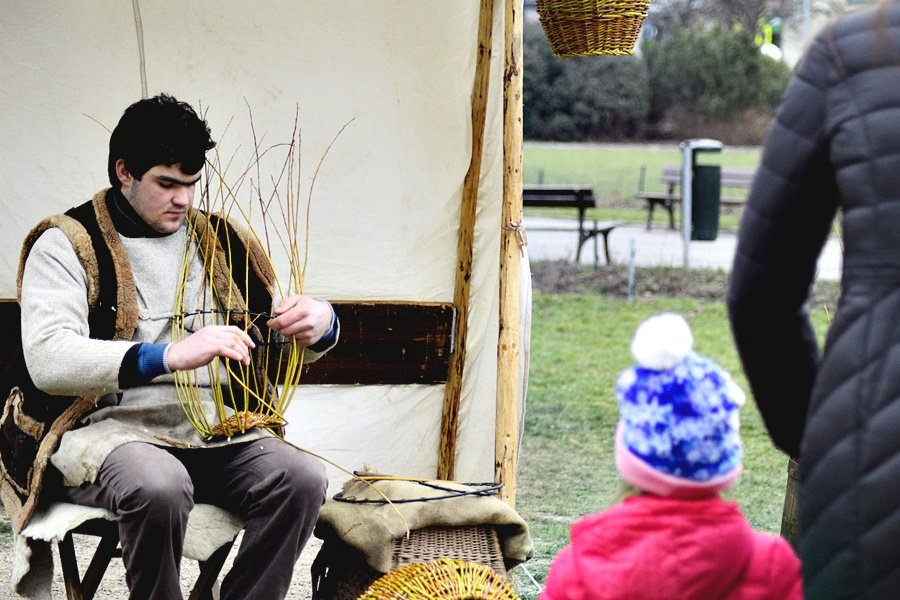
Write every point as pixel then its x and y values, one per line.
pixel 161 197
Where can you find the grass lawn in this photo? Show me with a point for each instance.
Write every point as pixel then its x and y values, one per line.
pixel 614 171
pixel 579 345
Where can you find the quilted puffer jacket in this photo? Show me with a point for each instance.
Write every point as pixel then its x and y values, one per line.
pixel 654 548
pixel 834 146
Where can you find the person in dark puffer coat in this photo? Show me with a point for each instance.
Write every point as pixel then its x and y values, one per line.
pixel 835 145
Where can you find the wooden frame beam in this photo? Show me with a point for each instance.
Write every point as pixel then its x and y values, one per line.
pixel 512 238
pixel 465 245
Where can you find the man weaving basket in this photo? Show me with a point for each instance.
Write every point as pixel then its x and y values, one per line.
pixel 114 297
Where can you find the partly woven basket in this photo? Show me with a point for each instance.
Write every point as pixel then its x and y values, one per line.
pixel 477 544
pixel 589 27
pixel 445 578
pixel 341 573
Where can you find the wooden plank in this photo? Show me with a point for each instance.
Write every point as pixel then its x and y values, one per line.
pixel 671 174
pixel 731 176
pixel 736 180
pixel 381 343
pixel 659 196
pixel 69 564
pixel 387 343
pixel 107 549
pixel 561 201
pixel 577 195
pixel 10 327
pixel 538 188
pixel 790 515
pixel 209 574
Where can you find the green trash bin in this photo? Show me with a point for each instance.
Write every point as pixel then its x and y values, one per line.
pixel 706 195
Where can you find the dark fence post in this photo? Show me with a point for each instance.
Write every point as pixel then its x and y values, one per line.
pixel 790 517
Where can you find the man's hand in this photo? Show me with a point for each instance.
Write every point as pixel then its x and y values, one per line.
pixel 302 318
pixel 201 347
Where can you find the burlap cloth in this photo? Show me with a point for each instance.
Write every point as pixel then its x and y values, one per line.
pixel 372 528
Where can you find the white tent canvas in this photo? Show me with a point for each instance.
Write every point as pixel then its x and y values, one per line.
pixel 385 209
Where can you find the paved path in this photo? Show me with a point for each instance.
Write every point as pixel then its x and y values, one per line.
pixel 660 246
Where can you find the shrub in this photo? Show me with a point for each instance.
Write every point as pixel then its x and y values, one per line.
pixel 714 79
pixel 773 79
pixel 586 98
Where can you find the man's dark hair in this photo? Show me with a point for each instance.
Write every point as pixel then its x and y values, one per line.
pixel 158 131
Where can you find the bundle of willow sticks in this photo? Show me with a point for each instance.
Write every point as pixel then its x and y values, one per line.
pixel 269 217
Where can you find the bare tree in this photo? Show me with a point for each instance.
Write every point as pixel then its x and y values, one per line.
pixel 676 13
pixel 748 14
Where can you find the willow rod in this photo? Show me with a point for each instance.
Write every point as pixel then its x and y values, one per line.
pixel 465 243
pixel 509 341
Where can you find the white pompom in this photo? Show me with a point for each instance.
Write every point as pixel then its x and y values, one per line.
pixel 661 342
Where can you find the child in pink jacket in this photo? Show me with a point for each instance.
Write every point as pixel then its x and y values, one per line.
pixel 678 443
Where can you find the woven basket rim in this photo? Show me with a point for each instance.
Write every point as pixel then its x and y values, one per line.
pixel 591 9
pixel 416 578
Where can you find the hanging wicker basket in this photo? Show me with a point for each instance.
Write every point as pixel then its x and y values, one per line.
pixel 442 579
pixel 590 27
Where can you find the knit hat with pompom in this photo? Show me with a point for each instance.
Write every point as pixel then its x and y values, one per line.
pixel 679 429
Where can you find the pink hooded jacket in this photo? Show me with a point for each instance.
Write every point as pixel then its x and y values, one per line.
pixel 655 548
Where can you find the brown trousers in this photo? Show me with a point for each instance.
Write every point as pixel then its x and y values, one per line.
pixel 276 488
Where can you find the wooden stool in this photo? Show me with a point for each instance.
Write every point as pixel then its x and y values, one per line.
pixel 211 532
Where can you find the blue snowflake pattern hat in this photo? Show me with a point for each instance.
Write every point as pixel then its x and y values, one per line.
pixel 679 428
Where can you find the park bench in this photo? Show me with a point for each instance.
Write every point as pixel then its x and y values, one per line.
pixel 381 343
pixel 579 197
pixel 732 179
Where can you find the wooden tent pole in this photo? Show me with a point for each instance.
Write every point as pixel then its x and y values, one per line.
pixel 511 235
pixel 465 244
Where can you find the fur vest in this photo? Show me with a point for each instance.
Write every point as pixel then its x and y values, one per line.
pixel 32 421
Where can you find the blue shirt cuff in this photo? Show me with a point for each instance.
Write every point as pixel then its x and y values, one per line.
pixel 325 342
pixel 142 363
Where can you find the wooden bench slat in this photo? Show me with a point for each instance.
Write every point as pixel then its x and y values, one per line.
pixel 579 196
pixel 658 195
pixel 554 201
pixel 662 196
